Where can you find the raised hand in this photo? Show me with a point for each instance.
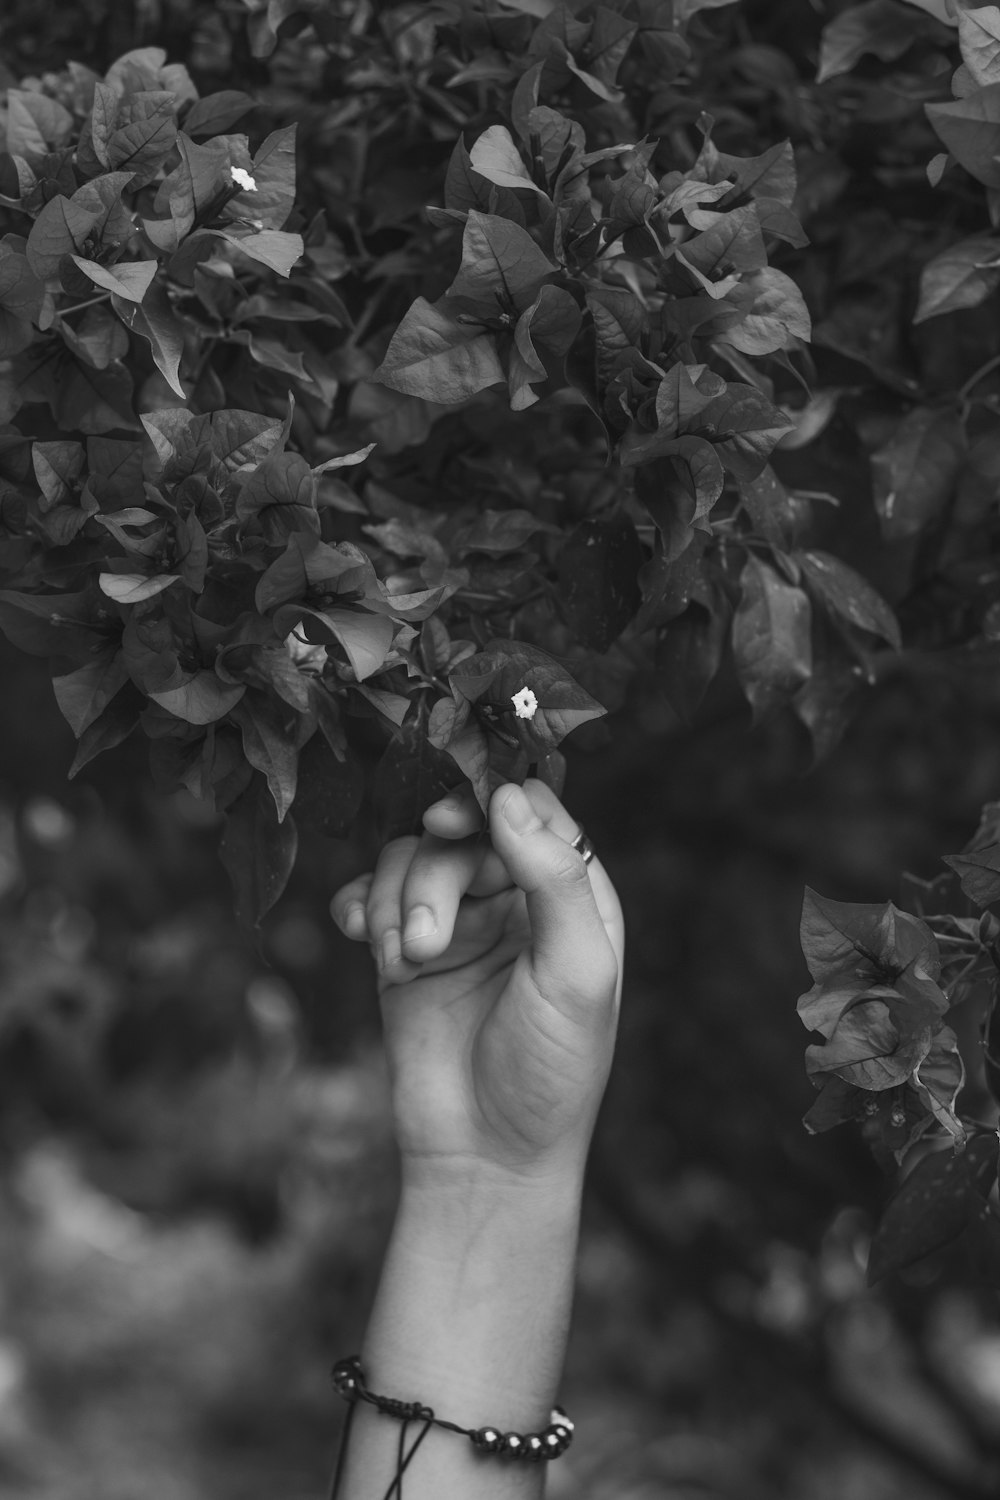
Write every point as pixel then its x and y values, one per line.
pixel 499 969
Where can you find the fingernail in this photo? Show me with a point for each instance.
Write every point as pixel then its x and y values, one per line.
pixel 354 920
pixel 518 811
pixel 389 951
pixel 420 923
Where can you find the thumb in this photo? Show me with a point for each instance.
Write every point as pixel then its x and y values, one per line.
pixel 571 953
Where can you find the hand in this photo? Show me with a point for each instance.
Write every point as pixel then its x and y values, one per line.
pixel 499 980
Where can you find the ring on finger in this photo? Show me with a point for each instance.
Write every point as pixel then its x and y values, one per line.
pixel 583 844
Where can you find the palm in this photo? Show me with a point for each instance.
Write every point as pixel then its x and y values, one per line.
pixel 480 1066
pixel 498 1025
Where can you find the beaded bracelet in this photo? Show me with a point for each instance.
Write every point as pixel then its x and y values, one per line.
pixel 536 1447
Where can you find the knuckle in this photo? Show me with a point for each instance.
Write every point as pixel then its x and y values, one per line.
pixel 569 870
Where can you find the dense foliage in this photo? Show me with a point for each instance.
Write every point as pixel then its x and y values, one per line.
pixel 348 491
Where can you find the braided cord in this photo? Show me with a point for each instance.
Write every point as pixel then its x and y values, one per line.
pixel 349 1381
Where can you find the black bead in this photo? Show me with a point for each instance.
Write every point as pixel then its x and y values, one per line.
pixel 512 1443
pixel 487 1439
pixel 534 1448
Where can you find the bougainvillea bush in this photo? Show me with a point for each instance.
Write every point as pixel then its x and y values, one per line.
pixel 368 436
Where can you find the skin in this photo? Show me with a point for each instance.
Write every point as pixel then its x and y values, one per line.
pixel 499 955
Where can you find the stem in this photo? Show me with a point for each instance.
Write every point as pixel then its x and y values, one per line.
pixel 79 306
pixel 977 376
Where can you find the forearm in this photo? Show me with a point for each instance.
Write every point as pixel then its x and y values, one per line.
pixel 471 1318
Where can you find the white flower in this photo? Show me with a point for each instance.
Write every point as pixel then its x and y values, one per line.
pixel 310 657
pixel 525 703
pixel 243 179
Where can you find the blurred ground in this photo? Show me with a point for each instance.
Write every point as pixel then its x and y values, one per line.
pixel 198 1174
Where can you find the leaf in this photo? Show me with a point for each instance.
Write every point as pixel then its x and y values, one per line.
pixel 280 479
pixel 934 1205
pixel 743 428
pixel 36 125
pixel 258 852
pixel 156 322
pixel 970 128
pixel 552 323
pixel 201 700
pixel 689 655
pixel 433 357
pixel 366 638
pixel 58 466
pixel 733 243
pixel 915 471
pixel 597 570
pixel 876 1042
pixel 776 314
pixel 835 935
pixel 495 675
pixel 329 790
pixel 115 466
pixel 979 872
pixel 771 637
pixel 837 1103
pixel 271 247
pixel 495 157
pixel 680 488
pixel 60 229
pixel 22 294
pixel 768 178
pixel 268 667
pixel 144 135
pixel 129 279
pixel 84 694
pixel 273 172
pixel 939 1079
pixel 847 594
pixel 411 775
pixel 880 27
pixel 979 40
pixel 447 718
pixel 235 437
pixel 769 507
pixel 217 112
pixel 498 531
pixel 48 624
pixel 499 258
pixel 344 460
pixel 98 339
pixel 964 275
pixel 109 729
pixel 271 732
pixel 132 588
pixel 103 196
pixel 393 706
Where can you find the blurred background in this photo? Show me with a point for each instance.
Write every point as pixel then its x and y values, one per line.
pixel 197 1171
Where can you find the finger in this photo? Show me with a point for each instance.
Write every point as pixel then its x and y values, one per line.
pixel 459 816
pixel 474 940
pixel 443 871
pixel 572 958
pixel 555 815
pixel 456 816
pixel 384 911
pixel 440 873
pixel 348 907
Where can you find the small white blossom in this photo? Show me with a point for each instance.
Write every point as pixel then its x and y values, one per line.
pixel 306 655
pixel 243 179
pixel 525 703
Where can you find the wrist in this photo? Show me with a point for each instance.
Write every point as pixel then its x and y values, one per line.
pixel 462 1179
